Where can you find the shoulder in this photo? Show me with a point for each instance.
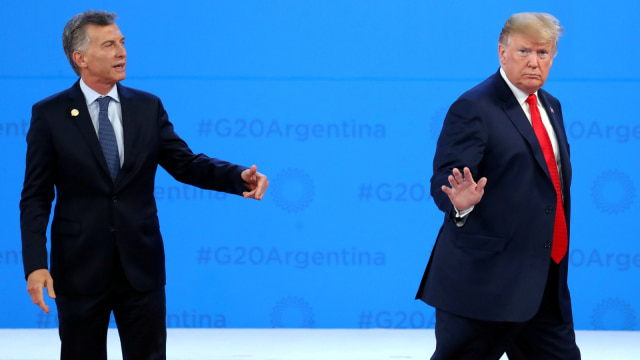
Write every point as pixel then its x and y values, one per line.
pixel 491 92
pixel 139 99
pixel 60 98
pixel 136 94
pixel 547 97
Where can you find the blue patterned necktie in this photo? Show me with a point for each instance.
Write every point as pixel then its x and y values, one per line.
pixel 107 138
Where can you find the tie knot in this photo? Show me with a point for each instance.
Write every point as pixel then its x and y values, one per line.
pixel 532 100
pixel 103 102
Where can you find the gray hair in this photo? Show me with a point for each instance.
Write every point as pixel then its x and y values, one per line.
pixel 74 35
pixel 538 27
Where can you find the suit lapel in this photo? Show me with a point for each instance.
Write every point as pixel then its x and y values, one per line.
pixel 78 113
pixel 514 112
pixel 561 136
pixel 130 132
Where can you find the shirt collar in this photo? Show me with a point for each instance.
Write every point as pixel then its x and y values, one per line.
pixel 520 95
pixel 91 95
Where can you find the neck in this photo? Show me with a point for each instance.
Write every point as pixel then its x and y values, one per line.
pixel 97 86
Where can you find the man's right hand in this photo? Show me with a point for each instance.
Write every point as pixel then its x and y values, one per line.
pixel 36 282
pixel 464 192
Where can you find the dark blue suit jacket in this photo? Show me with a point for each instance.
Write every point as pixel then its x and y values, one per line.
pixel 94 216
pixel 495 266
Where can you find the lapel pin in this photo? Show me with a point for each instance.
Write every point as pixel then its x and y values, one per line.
pixel 553 112
pixel 75 112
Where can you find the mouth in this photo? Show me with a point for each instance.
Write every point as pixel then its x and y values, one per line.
pixel 120 66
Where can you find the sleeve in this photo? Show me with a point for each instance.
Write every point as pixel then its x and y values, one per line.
pixel 461 144
pixel 37 193
pixel 195 169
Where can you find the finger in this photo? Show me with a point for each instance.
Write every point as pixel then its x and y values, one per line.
pixel 248 194
pixel 460 178
pixel 467 174
pixel 35 288
pixel 258 195
pixel 50 291
pixel 248 175
pixel 452 181
pixel 263 184
pixel 43 306
pixel 37 297
pixel 481 184
pixel 252 171
pixel 457 175
pixel 254 194
pixel 447 190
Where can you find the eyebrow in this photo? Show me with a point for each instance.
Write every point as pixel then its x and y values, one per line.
pixel 538 48
pixel 111 40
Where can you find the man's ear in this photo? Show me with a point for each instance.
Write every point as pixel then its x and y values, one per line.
pixel 501 53
pixel 79 58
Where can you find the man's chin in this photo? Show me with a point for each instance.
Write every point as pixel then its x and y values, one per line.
pixel 532 86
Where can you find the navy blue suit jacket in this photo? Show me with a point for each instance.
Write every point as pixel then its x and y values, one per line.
pixel 495 266
pixel 95 216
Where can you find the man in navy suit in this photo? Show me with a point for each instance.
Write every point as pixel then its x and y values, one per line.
pixel 107 253
pixel 497 275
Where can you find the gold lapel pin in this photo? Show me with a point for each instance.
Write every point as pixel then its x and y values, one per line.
pixel 75 112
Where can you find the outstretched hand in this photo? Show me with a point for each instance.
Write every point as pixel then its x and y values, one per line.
pixel 464 192
pixel 256 182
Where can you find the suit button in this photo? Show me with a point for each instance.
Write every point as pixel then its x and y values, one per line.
pixel 112 228
pixel 547 244
pixel 548 209
pixel 114 199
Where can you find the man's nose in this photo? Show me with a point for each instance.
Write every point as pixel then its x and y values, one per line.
pixel 121 51
pixel 533 60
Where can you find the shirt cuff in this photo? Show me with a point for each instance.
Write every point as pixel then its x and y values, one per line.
pixel 463 213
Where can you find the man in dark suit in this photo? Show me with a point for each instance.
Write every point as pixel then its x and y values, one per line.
pixel 497 275
pixel 95 147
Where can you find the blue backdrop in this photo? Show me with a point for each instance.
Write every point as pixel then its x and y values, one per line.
pixel 340 104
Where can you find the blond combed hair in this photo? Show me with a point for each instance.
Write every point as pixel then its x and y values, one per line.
pixel 537 27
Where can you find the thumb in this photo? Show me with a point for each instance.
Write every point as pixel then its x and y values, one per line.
pixel 50 291
pixel 249 174
pixel 481 183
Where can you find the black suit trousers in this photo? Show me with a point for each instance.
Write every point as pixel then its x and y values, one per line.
pixel 545 337
pixel 140 318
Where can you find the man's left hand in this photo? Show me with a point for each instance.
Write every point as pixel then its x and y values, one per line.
pixel 256 182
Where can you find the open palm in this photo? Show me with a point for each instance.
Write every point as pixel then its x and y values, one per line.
pixel 464 192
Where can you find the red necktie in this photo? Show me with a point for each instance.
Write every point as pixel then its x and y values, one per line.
pixel 560 243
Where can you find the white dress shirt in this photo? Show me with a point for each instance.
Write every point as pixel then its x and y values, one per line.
pixel 115 113
pixel 521 96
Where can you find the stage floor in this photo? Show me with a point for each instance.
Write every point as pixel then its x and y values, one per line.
pixel 298 344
